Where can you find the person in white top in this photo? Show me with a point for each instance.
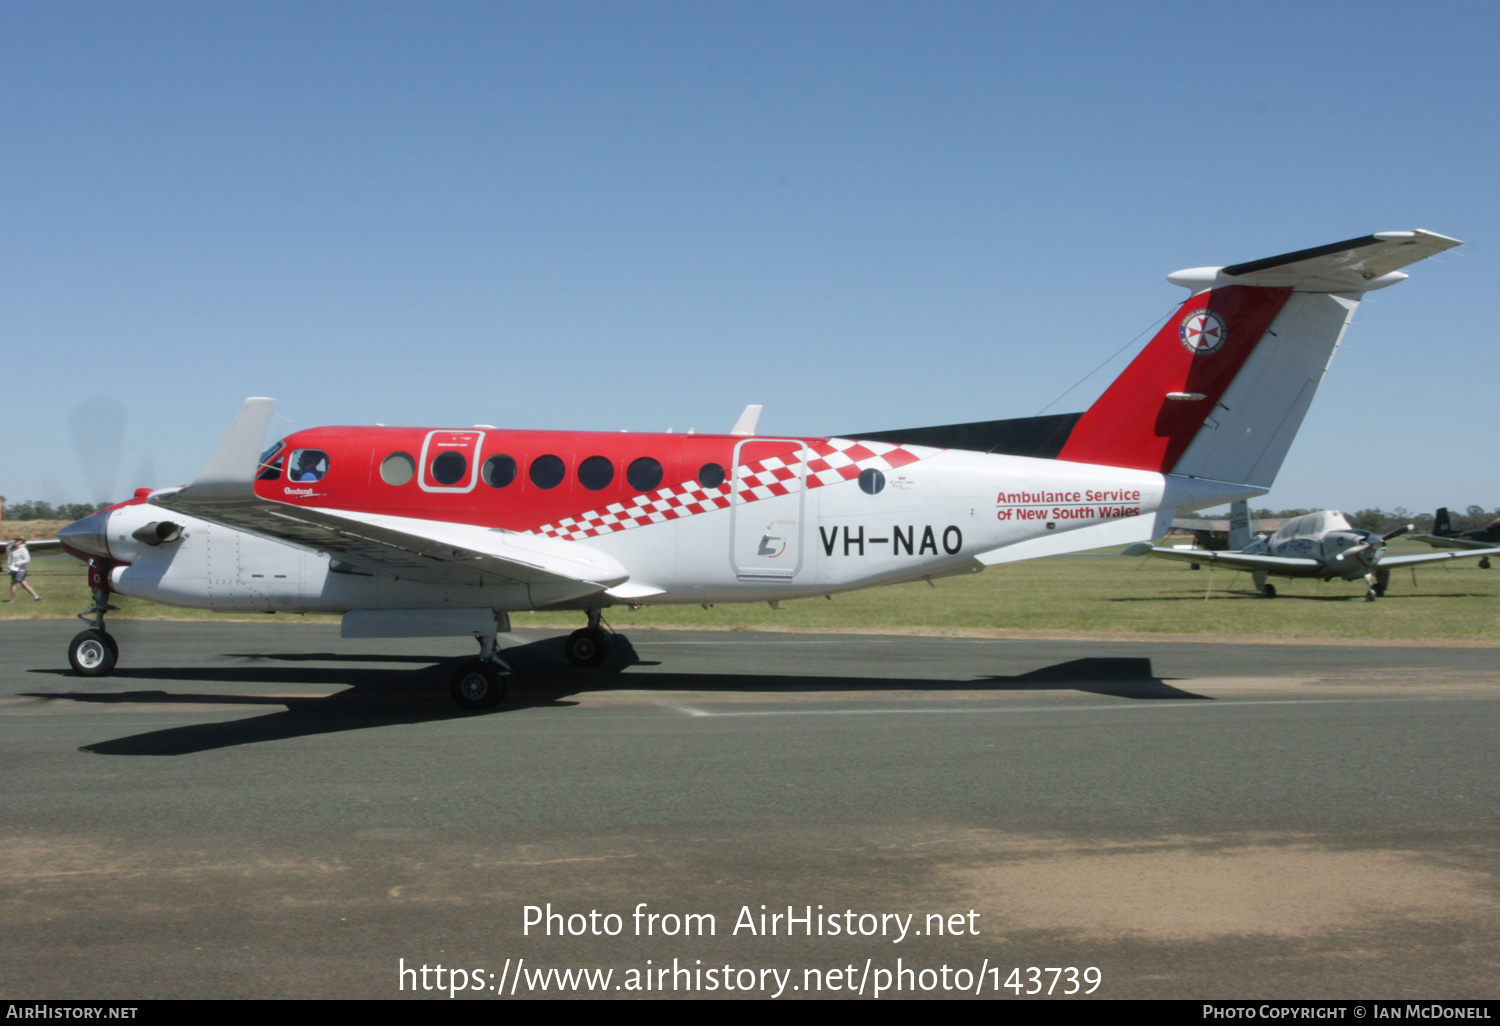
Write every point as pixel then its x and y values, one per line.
pixel 16 558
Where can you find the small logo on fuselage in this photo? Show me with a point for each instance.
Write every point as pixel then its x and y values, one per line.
pixel 1203 333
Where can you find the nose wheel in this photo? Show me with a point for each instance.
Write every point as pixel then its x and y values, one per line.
pixel 93 653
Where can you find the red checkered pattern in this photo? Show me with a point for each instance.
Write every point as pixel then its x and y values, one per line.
pixel 817 463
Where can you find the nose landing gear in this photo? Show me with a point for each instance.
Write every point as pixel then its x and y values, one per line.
pixel 94 652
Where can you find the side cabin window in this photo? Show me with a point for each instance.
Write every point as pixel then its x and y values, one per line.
pixel 308 465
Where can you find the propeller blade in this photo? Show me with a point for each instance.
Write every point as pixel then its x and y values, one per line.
pixel 1398 532
pixel 1354 551
pixel 97 428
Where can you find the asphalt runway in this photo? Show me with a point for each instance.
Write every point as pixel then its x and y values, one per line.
pixel 266 810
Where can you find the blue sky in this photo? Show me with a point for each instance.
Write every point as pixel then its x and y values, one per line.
pixel 646 215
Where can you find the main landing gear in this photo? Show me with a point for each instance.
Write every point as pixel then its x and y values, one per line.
pixel 589 646
pixel 482 683
pixel 94 652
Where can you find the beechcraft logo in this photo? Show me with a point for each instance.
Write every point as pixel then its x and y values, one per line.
pixel 1203 333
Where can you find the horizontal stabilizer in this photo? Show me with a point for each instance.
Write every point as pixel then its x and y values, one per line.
pixel 1354 265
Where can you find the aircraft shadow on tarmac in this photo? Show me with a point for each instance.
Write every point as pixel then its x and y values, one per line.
pixel 417 692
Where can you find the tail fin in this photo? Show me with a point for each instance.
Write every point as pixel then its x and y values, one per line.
pixel 1442 524
pixel 1221 390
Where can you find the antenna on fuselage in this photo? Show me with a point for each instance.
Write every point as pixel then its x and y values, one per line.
pixel 748 420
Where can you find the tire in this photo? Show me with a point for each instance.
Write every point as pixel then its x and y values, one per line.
pixel 1269 591
pixel 93 654
pixel 1484 564
pixel 478 685
pixel 585 648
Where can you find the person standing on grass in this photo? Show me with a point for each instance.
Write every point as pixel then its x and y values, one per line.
pixel 16 558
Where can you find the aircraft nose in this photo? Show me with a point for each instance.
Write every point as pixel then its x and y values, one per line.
pixel 89 535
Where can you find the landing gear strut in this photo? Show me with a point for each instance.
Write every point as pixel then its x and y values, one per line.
pixel 94 652
pixel 589 646
pixel 482 683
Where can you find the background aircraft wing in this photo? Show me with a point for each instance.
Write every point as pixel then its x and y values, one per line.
pixel 1388 562
pixel 1234 560
pixel 1450 541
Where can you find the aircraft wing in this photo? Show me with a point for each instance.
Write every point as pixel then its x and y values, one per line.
pixel 1232 560
pixel 1450 542
pixel 405 547
pixel 1388 562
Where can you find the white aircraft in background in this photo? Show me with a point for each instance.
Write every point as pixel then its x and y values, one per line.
pixel 423 532
pixel 1319 545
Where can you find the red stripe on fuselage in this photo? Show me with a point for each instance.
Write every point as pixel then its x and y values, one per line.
pixel 353 480
pixel 1133 424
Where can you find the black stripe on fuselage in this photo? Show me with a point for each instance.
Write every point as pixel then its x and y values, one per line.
pixel 1039 437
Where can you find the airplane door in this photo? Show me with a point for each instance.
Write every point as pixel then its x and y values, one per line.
pixel 768 509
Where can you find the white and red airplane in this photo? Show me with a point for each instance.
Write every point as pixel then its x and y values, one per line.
pixel 425 532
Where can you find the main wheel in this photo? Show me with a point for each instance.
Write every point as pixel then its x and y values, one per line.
pixel 587 647
pixel 1269 591
pixel 478 685
pixel 93 654
pixel 1484 564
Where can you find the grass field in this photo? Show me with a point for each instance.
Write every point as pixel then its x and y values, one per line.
pixel 1086 594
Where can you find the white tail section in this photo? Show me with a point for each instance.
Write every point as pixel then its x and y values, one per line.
pixel 1245 437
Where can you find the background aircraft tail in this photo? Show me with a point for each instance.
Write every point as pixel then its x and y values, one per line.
pixel 1239 525
pixel 1221 390
pixel 1442 523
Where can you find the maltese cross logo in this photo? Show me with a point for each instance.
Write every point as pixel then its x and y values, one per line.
pixel 1203 333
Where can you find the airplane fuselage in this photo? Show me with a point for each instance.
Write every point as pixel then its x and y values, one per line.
pixel 696 518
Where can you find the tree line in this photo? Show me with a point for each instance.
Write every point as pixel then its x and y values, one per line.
pixel 1470 518
pixel 46 511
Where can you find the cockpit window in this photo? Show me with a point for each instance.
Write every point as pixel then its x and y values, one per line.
pixel 308 464
pixel 269 468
